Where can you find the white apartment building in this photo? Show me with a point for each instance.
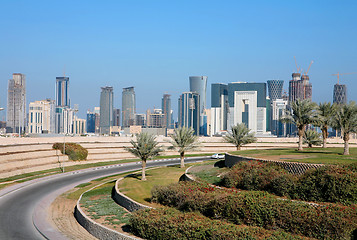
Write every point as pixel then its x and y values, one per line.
pixel 42 116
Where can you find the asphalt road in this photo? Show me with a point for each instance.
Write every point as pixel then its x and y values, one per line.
pixel 20 203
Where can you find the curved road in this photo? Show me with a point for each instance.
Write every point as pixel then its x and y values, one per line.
pixel 23 206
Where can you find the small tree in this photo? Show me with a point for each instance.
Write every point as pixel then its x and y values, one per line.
pixel 311 137
pixel 346 120
pixel 184 140
pixel 325 113
pixel 240 136
pixel 144 147
pixel 302 114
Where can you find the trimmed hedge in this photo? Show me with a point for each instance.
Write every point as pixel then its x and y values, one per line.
pixel 73 150
pixel 168 223
pixel 329 221
pixel 336 184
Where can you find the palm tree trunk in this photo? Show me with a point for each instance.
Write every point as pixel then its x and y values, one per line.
pixel 238 148
pixel 143 165
pixel 301 134
pixel 182 156
pixel 324 137
pixel 346 138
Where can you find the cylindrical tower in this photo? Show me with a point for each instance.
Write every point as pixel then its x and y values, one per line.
pixel 275 89
pixel 198 84
pixel 340 94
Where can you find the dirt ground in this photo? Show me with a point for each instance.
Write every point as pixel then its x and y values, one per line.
pixel 61 216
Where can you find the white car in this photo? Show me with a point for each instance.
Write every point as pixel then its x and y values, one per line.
pixel 218 156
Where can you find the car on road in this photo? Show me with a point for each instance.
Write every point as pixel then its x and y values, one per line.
pixel 218 156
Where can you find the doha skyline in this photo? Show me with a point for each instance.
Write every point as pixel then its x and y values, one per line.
pixel 156 46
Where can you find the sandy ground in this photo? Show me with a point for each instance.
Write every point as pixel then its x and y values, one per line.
pixel 61 216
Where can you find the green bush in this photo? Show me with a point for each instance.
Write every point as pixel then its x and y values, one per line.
pixel 168 223
pixel 73 150
pixel 329 184
pixel 261 209
pixel 252 175
pixel 336 184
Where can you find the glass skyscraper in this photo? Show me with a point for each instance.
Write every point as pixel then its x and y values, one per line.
pixel 16 104
pixel 128 107
pixel 189 111
pixel 198 84
pixel 106 110
pixel 275 89
pixel 219 108
pixel 166 110
pixel 90 122
pixel 62 97
pixel 340 94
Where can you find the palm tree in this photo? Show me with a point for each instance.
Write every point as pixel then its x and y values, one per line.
pixel 325 112
pixel 346 120
pixel 145 147
pixel 183 140
pixel 302 114
pixel 311 137
pixel 240 136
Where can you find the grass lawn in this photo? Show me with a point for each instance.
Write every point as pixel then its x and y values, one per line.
pixel 100 206
pixel 140 191
pixel 308 155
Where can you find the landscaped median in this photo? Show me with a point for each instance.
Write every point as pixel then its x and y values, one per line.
pixel 196 210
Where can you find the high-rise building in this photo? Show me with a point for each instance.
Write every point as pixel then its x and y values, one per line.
pixel 64 120
pixel 299 87
pixel 106 110
pixel 116 117
pixel 155 119
pixel 42 117
pixel 79 126
pixel 189 111
pixel 62 94
pixel 140 119
pixel 219 108
pixel 64 113
pixel 275 89
pixel 90 122
pixel 128 106
pixel 340 94
pixel 16 104
pixel 247 104
pixel 198 84
pixel 166 110
pixel 278 108
pixel 97 119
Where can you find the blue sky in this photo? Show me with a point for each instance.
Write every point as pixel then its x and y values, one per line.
pixel 156 45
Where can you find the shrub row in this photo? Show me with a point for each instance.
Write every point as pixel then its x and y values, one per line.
pixel 336 184
pixel 253 208
pixel 73 150
pixel 168 223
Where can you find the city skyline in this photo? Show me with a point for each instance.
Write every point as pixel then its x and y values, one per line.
pixel 154 50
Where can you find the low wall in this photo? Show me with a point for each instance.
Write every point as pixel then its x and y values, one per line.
pixel 127 203
pixel 292 167
pixel 97 230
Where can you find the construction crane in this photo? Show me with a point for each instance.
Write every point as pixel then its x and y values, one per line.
pixel 338 75
pixel 309 67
